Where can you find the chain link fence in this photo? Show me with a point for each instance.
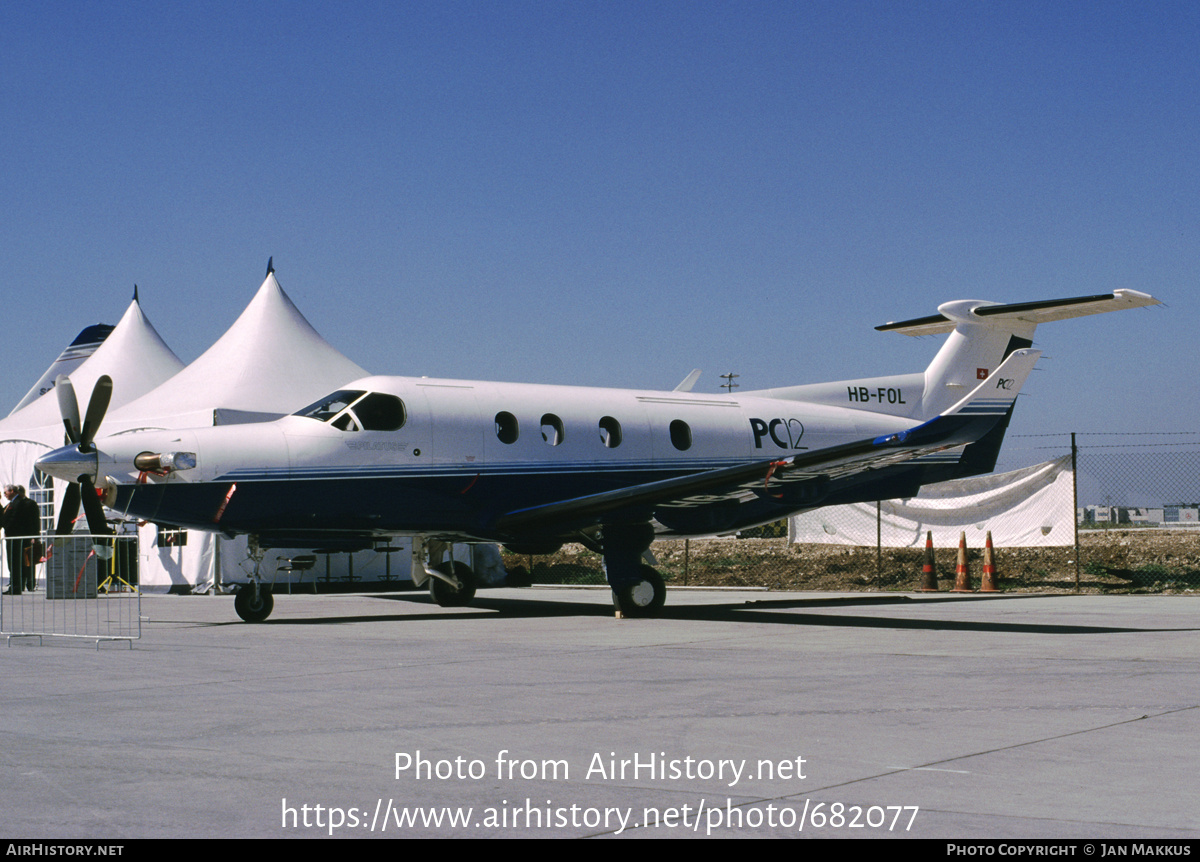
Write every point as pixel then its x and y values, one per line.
pixel 1137 514
pixel 1138 503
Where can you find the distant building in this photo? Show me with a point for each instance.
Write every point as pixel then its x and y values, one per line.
pixel 1145 516
pixel 1181 515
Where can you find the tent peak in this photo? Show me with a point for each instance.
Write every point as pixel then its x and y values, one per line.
pixel 135 299
pixel 270 265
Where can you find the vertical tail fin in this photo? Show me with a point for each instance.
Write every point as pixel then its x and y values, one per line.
pixel 84 345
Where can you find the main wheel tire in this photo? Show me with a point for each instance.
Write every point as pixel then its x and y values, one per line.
pixel 447 596
pixel 253 605
pixel 644 598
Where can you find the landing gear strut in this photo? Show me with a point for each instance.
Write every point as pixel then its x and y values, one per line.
pixel 444 592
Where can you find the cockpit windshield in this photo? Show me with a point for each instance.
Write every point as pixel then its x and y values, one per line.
pixel 332 405
pixel 357 410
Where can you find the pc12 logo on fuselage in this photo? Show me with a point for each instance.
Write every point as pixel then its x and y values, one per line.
pixel 784 433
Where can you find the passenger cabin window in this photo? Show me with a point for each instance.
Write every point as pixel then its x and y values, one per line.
pixel 610 432
pixel 681 435
pixel 552 429
pixel 507 430
pixel 355 410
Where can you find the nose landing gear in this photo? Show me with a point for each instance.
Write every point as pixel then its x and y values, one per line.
pixel 254 601
pixel 451 583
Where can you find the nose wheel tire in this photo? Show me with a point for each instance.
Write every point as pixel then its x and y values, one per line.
pixel 644 598
pixel 253 605
pixel 446 595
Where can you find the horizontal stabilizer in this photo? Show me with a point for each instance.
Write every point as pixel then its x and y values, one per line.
pixel 1042 311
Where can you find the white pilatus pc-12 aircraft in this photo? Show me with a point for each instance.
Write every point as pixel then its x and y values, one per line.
pixel 534 466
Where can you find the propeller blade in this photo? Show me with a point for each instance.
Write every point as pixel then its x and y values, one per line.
pixel 68 511
pixel 68 406
pixel 97 407
pixel 93 508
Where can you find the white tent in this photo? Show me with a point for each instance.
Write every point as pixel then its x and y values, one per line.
pixel 269 363
pixel 1026 508
pixel 133 355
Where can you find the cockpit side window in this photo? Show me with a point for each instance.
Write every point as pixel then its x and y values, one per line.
pixel 380 412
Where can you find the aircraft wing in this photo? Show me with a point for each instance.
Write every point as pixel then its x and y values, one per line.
pixel 963 423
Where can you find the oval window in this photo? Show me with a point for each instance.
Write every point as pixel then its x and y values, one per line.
pixel 507 430
pixel 552 429
pixel 610 432
pixel 681 435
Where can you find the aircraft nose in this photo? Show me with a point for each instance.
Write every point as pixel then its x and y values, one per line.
pixel 68 464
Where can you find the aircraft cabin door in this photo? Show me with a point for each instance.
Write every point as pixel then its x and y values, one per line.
pixel 455 423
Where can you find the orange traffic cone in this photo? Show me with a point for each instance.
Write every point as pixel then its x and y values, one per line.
pixel 962 575
pixel 989 568
pixel 929 571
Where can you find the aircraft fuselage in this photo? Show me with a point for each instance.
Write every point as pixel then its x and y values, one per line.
pixel 465 453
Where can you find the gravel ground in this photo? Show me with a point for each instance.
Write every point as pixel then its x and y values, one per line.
pixel 1123 561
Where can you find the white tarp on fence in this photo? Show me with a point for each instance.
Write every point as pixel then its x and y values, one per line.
pixel 1031 507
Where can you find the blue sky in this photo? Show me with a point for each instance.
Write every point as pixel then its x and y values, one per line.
pixel 614 193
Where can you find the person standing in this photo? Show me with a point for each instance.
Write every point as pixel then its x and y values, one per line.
pixel 22 520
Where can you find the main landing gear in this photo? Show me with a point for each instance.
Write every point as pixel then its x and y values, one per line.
pixel 644 598
pixel 638 589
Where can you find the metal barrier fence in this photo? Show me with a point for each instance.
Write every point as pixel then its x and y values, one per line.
pixel 1137 511
pixel 76 586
